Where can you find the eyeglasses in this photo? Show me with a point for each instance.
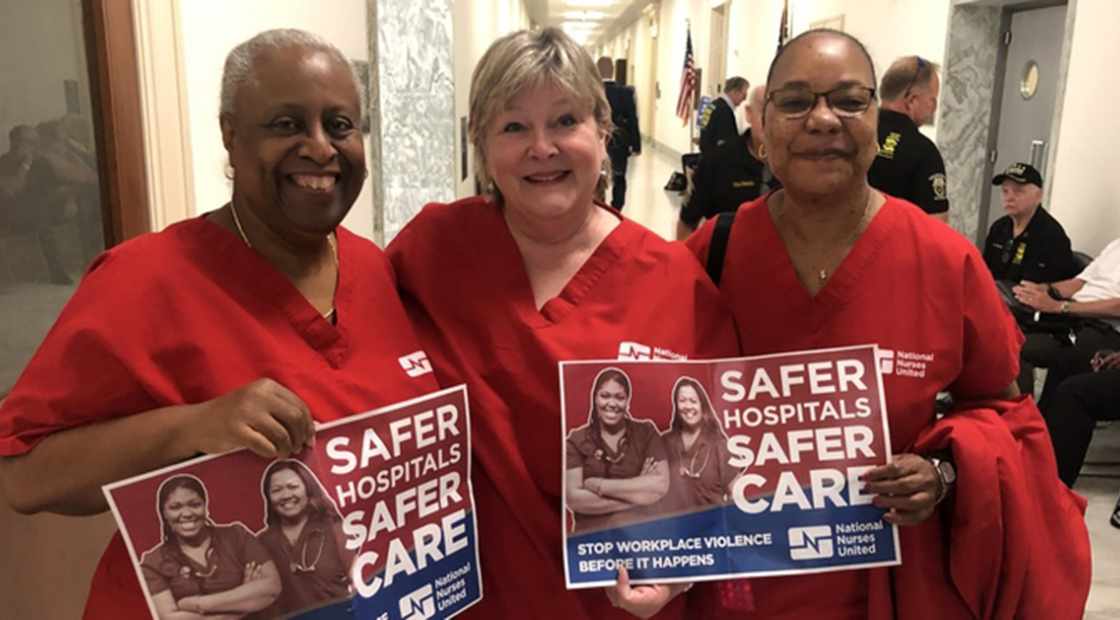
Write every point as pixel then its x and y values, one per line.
pixel 914 78
pixel 846 101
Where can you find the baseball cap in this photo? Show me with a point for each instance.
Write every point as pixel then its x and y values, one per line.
pixel 1020 173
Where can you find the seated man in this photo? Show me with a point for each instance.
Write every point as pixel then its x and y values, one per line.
pixel 1027 243
pixel 1078 404
pixel 1094 297
pixel 731 176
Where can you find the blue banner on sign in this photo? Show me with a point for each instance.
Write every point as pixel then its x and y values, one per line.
pixel 725 541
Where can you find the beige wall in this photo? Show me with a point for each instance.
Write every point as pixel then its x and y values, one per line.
pixel 477 23
pixel 1086 188
pixel 914 28
pixel 46 562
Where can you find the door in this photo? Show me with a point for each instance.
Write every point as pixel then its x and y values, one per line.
pixel 717 51
pixel 1030 88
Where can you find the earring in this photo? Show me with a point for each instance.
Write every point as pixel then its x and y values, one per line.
pixel 762 151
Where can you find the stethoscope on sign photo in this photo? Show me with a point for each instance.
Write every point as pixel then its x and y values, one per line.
pixel 690 471
pixel 302 566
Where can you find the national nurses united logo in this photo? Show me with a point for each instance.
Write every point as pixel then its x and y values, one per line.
pixel 904 363
pixel 416 364
pixel 810 543
pixel 418 605
pixel 636 351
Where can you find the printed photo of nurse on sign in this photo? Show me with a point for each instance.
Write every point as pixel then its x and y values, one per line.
pixel 698 470
pixel 374 522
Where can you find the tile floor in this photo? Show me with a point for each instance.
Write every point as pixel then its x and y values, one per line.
pixel 648 204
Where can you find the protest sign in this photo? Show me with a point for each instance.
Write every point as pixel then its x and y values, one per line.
pixel 375 522
pixel 696 470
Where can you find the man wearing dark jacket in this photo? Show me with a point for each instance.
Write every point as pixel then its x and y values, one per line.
pixel 1027 243
pixel 721 126
pixel 625 138
pixel 909 166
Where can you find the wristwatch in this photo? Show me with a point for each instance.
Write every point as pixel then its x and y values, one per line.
pixel 1066 307
pixel 946 475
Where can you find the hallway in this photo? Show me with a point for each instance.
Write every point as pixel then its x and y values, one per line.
pixel 651 206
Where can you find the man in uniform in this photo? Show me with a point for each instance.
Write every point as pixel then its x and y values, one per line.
pixel 1027 243
pixel 625 139
pixel 721 126
pixel 731 176
pixel 1082 382
pixel 909 166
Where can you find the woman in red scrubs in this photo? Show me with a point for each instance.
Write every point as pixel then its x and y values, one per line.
pixel 237 329
pixel 700 473
pixel 615 465
pixel 303 535
pixel 504 286
pixel 838 264
pixel 203 568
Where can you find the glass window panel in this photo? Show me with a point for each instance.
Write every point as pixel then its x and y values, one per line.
pixel 50 211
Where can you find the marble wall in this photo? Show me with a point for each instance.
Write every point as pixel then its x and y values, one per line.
pixel 966 105
pixel 412 109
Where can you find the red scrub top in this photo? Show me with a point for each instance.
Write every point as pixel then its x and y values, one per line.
pixel 920 291
pixel 464 283
pixel 189 314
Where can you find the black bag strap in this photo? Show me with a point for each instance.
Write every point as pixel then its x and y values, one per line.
pixel 718 248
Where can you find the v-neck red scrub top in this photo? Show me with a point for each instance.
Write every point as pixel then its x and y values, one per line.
pixel 920 291
pixel 189 314
pixel 464 283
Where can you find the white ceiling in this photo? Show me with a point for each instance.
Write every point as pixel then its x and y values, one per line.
pixel 602 17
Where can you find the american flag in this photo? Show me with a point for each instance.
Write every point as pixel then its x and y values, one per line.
pixel 783 27
pixel 688 83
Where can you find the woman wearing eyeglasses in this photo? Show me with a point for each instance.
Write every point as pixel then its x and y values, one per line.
pixel 615 465
pixel 827 261
pixel 699 472
pixel 303 535
pixel 204 570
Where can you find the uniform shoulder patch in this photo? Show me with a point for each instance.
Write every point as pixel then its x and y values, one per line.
pixel 937 181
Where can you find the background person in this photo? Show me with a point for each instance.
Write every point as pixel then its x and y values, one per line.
pixel 1076 405
pixel 841 264
pixel 722 126
pixel 616 465
pixel 1027 243
pixel 166 345
pixel 303 536
pixel 203 570
pixel 625 140
pixel 1094 298
pixel 732 176
pixel 504 286
pixel 700 474
pixel 908 165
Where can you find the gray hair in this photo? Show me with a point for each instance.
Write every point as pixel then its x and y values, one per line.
pixel 908 74
pixel 735 84
pixel 757 99
pixel 523 60
pixel 240 71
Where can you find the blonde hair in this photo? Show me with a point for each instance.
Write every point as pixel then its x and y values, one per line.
pixel 520 61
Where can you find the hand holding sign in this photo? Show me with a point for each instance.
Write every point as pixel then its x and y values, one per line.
pixel 263 416
pixel 908 485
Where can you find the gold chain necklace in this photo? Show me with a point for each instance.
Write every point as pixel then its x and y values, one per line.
pixel 329 314
pixel 822 274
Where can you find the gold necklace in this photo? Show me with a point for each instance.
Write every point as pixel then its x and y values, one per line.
pixel 822 274
pixel 331 240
